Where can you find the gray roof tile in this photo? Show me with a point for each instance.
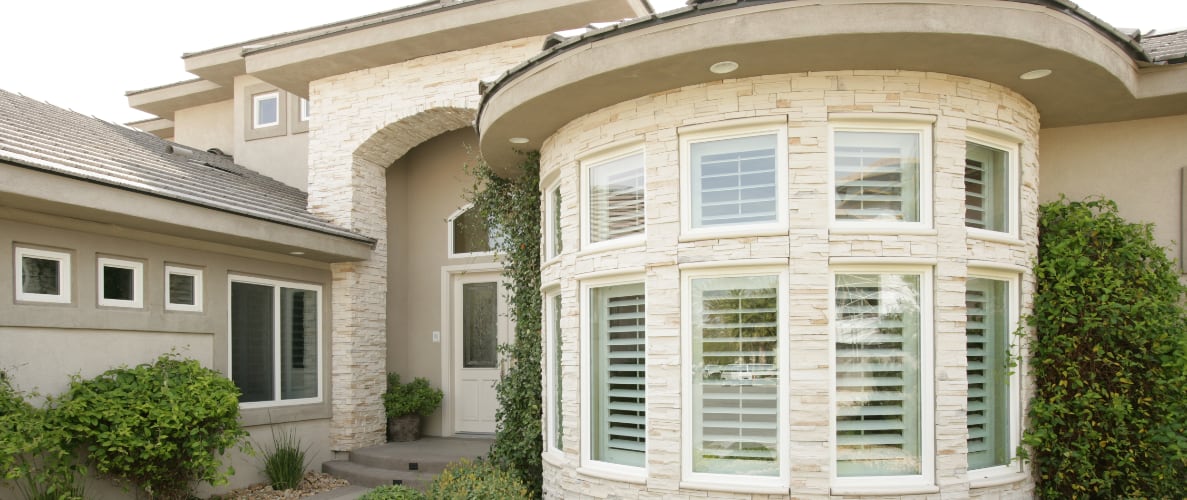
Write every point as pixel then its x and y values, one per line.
pixel 44 137
pixel 1166 46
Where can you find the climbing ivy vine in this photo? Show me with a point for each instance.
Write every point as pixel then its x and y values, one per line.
pixel 511 204
pixel 1108 358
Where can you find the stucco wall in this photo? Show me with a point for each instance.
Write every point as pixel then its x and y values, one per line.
pixel 206 126
pixel 283 157
pixel 1136 163
pixel 808 249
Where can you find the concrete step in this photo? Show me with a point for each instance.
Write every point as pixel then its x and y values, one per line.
pixel 363 475
pixel 428 454
pixel 343 493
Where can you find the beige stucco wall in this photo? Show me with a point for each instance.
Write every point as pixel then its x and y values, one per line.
pixel 206 126
pixel 283 157
pixel 808 249
pixel 1136 163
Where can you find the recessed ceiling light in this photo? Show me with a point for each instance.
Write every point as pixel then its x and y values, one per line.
pixel 518 140
pixel 1035 74
pixel 723 67
pixel 296 252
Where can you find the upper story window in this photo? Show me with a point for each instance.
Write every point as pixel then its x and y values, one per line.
pixel 616 375
pixel 303 109
pixel 121 283
pixel 992 405
pixel 614 198
pixel 42 275
pixel 881 175
pixel 735 181
pixel 470 235
pixel 265 109
pixel 553 236
pixel 275 341
pixel 183 289
pixel 990 187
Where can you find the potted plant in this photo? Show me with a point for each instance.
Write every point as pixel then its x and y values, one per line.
pixel 406 404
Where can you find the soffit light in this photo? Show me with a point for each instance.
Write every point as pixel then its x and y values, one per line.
pixel 296 252
pixel 723 67
pixel 518 140
pixel 1035 74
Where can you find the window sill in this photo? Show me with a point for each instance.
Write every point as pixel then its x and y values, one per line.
pixel 1000 478
pixel 752 488
pixel 887 490
pixel 883 230
pixel 994 237
pixel 553 457
pixel 632 241
pixel 736 232
pixel 270 415
pixel 618 475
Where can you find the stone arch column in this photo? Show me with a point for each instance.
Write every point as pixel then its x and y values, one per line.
pixel 350 190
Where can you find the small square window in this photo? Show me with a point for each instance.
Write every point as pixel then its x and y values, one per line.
pixel 183 289
pixel 735 181
pixel 121 283
pixel 44 276
pixel 303 109
pixel 265 110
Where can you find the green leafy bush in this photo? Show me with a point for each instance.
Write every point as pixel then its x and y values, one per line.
pixel 1108 359
pixel 285 462
pixel 513 205
pixel 395 492
pixel 157 425
pixel 35 457
pixel 470 480
pixel 416 397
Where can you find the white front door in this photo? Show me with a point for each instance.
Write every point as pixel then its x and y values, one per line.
pixel 480 325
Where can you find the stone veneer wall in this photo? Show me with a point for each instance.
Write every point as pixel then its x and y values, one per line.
pixel 362 122
pixel 807 101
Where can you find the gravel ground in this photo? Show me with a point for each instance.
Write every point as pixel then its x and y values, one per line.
pixel 312 484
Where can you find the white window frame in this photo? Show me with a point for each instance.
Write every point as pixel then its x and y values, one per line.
pixel 893 124
pixel 594 160
pixel 733 129
pixel 171 269
pixel 255 109
pixel 276 362
pixel 589 465
pixel 1012 148
pixel 449 236
pixel 137 269
pixel 553 233
pixel 552 341
pixel 65 275
pixel 1013 297
pixel 740 483
pixel 926 480
pixel 302 109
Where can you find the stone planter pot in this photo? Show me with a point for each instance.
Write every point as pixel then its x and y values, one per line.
pixel 403 428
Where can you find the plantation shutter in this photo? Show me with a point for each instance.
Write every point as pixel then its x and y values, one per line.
pixel 975 202
pixel 616 199
pixel 878 375
pixel 558 387
pixel 734 181
pixel 621 371
pixel 877 176
pixel 736 342
pixel 986 176
pixel 988 399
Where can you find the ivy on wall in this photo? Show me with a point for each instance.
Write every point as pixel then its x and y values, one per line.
pixel 511 204
pixel 1109 414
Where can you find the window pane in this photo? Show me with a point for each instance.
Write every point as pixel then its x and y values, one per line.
pixel 251 341
pixel 734 181
pixel 480 329
pixel 267 110
pixel 41 276
pixel 298 343
pixel 878 375
pixel 735 394
pixel 557 247
pixel 471 234
pixel 988 372
pixel 619 378
pixel 877 176
pixel 616 199
pixel 181 289
pixel 558 387
pixel 118 283
pixel 986 183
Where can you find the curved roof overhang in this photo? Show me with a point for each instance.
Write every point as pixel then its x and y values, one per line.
pixel 1098 75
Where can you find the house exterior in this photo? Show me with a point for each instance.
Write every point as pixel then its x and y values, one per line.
pixel 785 242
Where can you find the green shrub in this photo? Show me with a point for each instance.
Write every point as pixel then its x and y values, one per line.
pixel 1107 359
pixel 513 205
pixel 35 457
pixel 157 425
pixel 479 480
pixel 416 397
pixel 285 462
pixel 395 492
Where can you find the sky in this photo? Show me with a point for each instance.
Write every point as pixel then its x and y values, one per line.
pixel 84 55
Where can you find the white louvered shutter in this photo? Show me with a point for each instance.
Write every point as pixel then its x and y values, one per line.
pixel 986 177
pixel 877 176
pixel 736 342
pixel 878 375
pixel 616 199
pixel 734 181
pixel 621 387
pixel 988 399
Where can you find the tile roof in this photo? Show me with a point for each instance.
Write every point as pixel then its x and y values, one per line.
pixel 1169 47
pixel 44 137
